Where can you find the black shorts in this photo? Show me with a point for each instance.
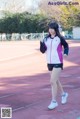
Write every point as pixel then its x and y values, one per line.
pixel 51 66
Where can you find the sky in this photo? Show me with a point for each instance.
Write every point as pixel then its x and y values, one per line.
pixel 25 3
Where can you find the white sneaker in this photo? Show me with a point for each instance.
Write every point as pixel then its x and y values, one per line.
pixel 64 98
pixel 53 105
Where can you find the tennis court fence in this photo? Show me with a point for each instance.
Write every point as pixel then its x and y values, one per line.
pixel 22 36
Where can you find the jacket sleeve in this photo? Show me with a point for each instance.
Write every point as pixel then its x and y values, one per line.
pixel 43 47
pixel 65 45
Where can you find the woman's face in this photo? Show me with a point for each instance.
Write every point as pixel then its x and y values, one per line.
pixel 52 31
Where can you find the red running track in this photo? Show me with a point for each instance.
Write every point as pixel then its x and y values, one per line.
pixel 25 86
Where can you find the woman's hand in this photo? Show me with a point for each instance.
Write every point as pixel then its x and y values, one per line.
pixel 65 55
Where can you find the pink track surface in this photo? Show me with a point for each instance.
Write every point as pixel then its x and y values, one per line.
pixel 25 85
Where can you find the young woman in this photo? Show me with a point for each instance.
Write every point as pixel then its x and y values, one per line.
pixel 53 46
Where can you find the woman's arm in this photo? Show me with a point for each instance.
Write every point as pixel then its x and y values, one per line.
pixel 65 45
pixel 43 47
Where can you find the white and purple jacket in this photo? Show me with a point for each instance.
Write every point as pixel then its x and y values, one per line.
pixel 53 49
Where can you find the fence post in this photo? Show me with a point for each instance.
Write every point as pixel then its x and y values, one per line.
pixel 31 36
pixel 43 35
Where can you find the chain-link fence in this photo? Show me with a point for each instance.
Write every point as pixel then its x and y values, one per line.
pixel 23 36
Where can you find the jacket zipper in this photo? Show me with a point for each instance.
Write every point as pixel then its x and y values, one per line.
pixel 51 51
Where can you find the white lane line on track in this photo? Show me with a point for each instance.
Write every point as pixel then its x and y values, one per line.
pixel 6 96
pixel 11 58
pixel 28 106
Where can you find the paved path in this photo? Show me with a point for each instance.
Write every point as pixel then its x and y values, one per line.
pixel 25 86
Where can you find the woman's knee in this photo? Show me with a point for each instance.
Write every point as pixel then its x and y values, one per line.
pixel 53 82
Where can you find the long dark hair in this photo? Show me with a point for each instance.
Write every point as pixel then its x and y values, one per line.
pixel 54 26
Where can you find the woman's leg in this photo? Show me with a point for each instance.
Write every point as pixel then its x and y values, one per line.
pixel 55 74
pixel 64 94
pixel 60 87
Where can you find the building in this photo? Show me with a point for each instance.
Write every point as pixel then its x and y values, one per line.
pixel 76 33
